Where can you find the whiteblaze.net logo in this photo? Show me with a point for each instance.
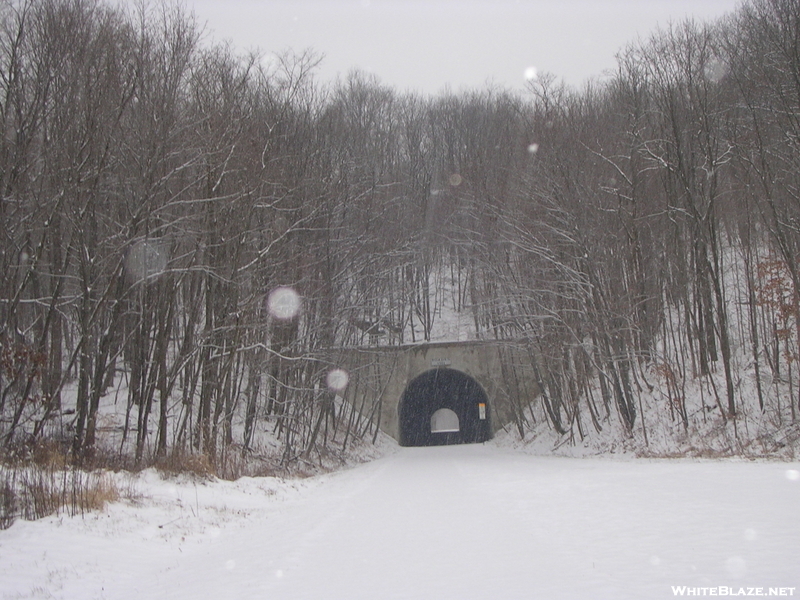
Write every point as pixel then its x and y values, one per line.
pixel 723 590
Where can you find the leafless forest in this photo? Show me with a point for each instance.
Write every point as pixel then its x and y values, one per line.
pixel 638 235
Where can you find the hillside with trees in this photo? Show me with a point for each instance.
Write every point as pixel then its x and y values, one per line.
pixel 638 236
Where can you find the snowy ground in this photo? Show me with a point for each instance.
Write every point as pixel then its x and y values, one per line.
pixel 456 522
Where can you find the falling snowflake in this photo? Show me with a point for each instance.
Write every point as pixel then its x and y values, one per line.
pixel 146 259
pixel 337 379
pixel 715 70
pixel 736 566
pixel 284 303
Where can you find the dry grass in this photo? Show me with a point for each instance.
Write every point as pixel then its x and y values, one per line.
pixel 8 504
pixel 42 479
pixel 44 483
pixel 231 464
pixel 235 462
pixel 187 463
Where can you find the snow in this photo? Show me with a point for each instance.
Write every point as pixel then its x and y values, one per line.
pixel 473 521
pixel 337 379
pixel 284 303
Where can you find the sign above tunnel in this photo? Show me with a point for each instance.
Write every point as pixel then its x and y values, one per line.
pixel 440 362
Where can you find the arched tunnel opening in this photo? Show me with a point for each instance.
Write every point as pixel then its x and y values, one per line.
pixel 441 407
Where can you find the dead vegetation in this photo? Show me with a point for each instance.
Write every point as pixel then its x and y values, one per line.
pixel 44 481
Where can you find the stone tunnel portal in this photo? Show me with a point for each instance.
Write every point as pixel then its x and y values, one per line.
pixel 441 407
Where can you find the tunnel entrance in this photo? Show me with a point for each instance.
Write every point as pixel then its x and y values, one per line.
pixel 443 406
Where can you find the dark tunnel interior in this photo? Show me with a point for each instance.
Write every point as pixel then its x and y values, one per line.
pixel 441 407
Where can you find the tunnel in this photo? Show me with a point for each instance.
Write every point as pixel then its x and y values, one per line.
pixel 444 406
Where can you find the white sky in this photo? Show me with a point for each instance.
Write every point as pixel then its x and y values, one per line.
pixel 425 45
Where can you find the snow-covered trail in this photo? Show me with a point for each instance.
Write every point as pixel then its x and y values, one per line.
pixel 481 522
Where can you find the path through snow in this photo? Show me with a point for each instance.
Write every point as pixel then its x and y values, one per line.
pixel 455 522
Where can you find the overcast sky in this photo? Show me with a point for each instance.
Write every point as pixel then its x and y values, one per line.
pixel 425 45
